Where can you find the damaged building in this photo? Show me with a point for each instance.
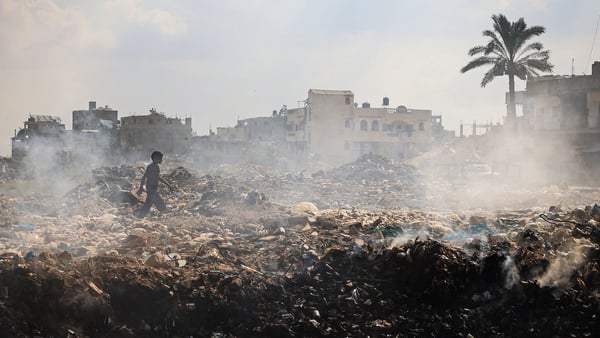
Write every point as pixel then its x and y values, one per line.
pixel 43 129
pixel 562 102
pixel 332 126
pixel 329 127
pixel 98 135
pixel 95 119
pixel 145 133
pixel 257 139
pixel 95 131
pixel 563 112
pixel 267 129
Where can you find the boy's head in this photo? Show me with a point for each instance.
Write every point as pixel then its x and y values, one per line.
pixel 156 156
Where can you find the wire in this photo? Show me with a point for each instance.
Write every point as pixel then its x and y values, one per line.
pixel 556 220
pixel 593 43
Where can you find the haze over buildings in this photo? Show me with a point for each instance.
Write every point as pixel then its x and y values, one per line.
pixel 219 61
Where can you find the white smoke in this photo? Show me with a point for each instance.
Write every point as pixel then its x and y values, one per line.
pixel 569 259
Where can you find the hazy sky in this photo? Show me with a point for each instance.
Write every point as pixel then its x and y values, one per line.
pixel 217 61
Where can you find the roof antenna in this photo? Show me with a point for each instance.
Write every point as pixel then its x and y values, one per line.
pixel 593 43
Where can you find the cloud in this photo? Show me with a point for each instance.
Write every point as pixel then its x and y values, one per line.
pixel 38 30
pixel 220 60
pixel 160 20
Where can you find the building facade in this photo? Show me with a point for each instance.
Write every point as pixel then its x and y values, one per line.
pixel 333 128
pixel 38 131
pixel 95 119
pixel 146 133
pixel 256 129
pixel 562 102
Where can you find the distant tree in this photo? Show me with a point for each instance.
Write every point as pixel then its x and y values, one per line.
pixel 507 54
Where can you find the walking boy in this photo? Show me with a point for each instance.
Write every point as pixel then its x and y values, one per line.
pixel 151 178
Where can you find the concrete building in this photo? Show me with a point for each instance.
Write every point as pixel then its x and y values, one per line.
pixel 295 126
pixel 562 102
pixel 438 132
pixel 95 131
pixel 44 130
pixel 336 130
pixel 146 133
pixel 395 133
pixel 95 119
pixel 561 119
pixel 256 129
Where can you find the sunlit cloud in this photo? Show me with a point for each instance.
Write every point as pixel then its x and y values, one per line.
pixel 156 19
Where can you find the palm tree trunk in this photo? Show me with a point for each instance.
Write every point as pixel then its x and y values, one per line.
pixel 511 116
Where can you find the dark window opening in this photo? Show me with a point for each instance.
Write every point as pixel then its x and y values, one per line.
pixel 364 125
pixel 409 130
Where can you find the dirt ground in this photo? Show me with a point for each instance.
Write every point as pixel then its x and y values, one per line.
pixel 369 249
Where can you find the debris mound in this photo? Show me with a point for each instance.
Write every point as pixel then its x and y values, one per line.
pixel 375 167
pixel 229 259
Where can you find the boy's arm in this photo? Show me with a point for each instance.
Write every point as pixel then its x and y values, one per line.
pixel 142 182
pixel 165 182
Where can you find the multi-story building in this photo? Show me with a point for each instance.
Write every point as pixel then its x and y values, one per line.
pixel 396 133
pixel 333 127
pixel 561 121
pixel 146 133
pixel 255 129
pixel 39 130
pixel 95 133
pixel 95 119
pixel 295 126
pixel 562 102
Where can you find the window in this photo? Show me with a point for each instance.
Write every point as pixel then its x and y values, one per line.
pixel 388 127
pixel 347 100
pixel 364 125
pixel 375 125
pixel 347 124
pixel 421 125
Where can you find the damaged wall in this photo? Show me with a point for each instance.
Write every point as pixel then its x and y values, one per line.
pixel 155 131
pixel 563 102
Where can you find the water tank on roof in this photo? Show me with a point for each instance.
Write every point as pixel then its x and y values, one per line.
pixel 386 101
pixel 596 68
pixel 401 109
pixel 366 105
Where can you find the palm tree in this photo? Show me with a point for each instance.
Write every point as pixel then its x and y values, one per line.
pixel 508 54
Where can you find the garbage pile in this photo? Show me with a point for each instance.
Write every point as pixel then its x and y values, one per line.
pixel 248 256
pixel 371 182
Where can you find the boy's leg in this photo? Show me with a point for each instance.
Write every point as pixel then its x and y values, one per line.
pixel 141 212
pixel 160 203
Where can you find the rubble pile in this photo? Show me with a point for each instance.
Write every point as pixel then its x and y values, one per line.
pixel 375 167
pixel 371 182
pixel 231 259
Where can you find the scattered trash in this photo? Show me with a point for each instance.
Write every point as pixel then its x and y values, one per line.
pixel 361 250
